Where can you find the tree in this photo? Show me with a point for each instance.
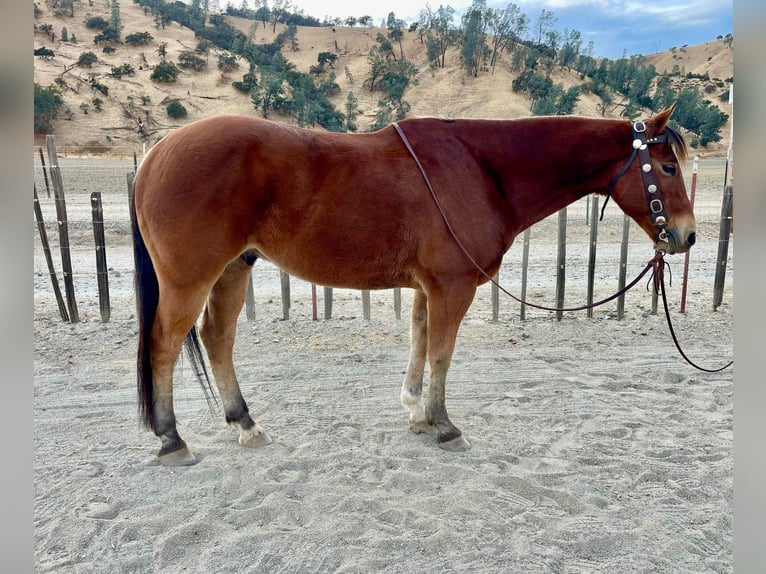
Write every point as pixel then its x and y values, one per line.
pixel 544 25
pixel 505 27
pixel 47 102
pixel 386 48
pixel 44 53
pixel 352 110
pixel 122 70
pixel 327 58
pixel 378 65
pixel 188 59
pixel 474 40
pixel 162 50
pixel 288 36
pixel 68 5
pixel 570 48
pixel 395 81
pixel 440 33
pixel 138 38
pixel 115 21
pixel 536 86
pixel 395 31
pixel 227 62
pixel 699 116
pixel 278 12
pixel 96 23
pixel 165 72
pixel 176 110
pixel 383 115
pixel 87 59
pixel 268 89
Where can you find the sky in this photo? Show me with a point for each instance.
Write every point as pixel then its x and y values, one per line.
pixel 617 27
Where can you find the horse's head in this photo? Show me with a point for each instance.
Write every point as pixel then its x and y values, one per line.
pixel 650 188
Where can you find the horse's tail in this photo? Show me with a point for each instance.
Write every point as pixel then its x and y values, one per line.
pixel 147 299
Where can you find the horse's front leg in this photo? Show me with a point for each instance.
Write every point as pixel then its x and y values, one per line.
pixel 218 331
pixel 412 388
pixel 446 308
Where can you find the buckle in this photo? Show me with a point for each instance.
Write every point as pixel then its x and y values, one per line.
pixel 639 126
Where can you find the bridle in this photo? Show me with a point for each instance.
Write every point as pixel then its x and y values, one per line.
pixel 656 207
pixel 651 187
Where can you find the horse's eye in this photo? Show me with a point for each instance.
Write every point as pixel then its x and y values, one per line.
pixel 668 169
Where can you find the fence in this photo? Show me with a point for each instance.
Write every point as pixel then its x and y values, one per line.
pixel 81 204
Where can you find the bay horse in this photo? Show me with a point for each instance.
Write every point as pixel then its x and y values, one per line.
pixel 355 211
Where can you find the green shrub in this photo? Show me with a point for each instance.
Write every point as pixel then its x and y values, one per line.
pixel 166 72
pixel 48 102
pixel 87 59
pixel 188 59
pixel 96 23
pixel 139 38
pixel 176 110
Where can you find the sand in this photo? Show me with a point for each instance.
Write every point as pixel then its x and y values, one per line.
pixel 595 448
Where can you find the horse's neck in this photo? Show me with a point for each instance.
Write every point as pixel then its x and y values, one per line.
pixel 550 169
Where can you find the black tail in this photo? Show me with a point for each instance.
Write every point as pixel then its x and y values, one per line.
pixel 147 299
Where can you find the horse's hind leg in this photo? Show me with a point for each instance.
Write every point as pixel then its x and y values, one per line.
pixel 168 333
pixel 218 330
pixel 412 388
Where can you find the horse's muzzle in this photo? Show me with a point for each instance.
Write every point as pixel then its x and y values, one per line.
pixel 677 242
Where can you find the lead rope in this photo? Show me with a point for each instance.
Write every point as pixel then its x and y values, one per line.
pixel 659 265
pixel 656 264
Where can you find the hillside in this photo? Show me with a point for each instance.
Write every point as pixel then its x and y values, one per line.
pixel 82 129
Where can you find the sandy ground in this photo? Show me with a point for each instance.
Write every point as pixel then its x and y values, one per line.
pixel 595 447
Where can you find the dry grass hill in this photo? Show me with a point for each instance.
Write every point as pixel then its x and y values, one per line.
pixel 83 130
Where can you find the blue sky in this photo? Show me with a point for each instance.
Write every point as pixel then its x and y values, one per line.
pixel 615 26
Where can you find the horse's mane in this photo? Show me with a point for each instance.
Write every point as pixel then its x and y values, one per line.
pixel 678 143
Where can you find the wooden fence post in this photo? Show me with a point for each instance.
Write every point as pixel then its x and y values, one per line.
pixel 723 245
pixel 327 295
pixel 561 263
pixel 250 298
pixel 398 302
pixel 695 167
pixel 592 254
pixel 49 258
pixel 495 297
pixel 130 178
pixel 45 172
pixel 102 274
pixel 524 268
pixel 623 266
pixel 366 304
pixel 284 280
pixel 63 225
pixel 313 302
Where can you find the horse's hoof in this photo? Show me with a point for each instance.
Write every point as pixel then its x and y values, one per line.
pixel 457 444
pixel 181 457
pixel 252 439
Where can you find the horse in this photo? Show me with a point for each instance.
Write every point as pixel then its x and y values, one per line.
pixel 430 204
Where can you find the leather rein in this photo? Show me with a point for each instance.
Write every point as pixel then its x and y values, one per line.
pixel 656 207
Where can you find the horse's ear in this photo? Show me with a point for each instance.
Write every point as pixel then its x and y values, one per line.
pixel 660 119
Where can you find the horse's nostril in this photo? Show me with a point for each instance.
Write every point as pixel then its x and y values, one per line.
pixel 692 239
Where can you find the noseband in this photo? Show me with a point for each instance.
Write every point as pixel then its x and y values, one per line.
pixel 651 187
